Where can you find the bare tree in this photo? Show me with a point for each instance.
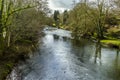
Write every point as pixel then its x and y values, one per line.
pixel 7 9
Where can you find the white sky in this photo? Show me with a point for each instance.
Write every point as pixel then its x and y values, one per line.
pixel 61 4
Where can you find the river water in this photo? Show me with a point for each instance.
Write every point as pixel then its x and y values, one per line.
pixel 62 58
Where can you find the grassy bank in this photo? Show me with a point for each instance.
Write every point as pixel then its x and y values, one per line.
pixel 111 43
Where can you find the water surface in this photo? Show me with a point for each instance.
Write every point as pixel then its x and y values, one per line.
pixel 60 58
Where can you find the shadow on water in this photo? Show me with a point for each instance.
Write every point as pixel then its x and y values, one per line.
pixel 82 49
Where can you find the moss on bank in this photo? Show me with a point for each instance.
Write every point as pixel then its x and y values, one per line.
pixel 112 43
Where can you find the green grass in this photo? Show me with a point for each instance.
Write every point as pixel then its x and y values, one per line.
pixel 111 42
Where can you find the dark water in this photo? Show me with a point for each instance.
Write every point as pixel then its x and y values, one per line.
pixel 60 58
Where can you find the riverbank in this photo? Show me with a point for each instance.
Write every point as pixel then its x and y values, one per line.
pixel 111 43
pixel 5 67
pixel 20 51
pixel 12 56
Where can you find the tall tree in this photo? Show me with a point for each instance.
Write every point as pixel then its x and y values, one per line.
pixel 56 18
pixel 65 16
pixel 88 18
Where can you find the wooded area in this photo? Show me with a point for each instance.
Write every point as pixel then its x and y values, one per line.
pixel 96 18
pixel 92 20
pixel 20 24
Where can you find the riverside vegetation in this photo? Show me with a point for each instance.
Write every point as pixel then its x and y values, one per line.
pixel 98 20
pixel 21 22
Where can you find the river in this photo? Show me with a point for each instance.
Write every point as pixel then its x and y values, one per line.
pixel 61 58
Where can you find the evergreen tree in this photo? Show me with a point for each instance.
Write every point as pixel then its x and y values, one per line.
pixel 65 16
pixel 56 17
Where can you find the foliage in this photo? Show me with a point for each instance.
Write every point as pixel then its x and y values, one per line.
pixel 117 3
pixel 21 22
pixel 65 17
pixel 56 17
pixel 111 20
pixel 89 18
pixel 7 9
pixel 17 20
pixel 80 21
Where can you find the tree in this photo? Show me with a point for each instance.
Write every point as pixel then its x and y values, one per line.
pixel 117 3
pixel 56 18
pixel 102 10
pixel 116 8
pixel 88 18
pixel 65 16
pixel 80 21
pixel 7 9
pixel 111 20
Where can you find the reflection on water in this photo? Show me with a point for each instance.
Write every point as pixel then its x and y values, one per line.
pixel 60 58
pixel 98 53
pixel 108 61
pixel 104 61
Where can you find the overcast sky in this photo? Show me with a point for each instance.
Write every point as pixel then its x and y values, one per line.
pixel 60 4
